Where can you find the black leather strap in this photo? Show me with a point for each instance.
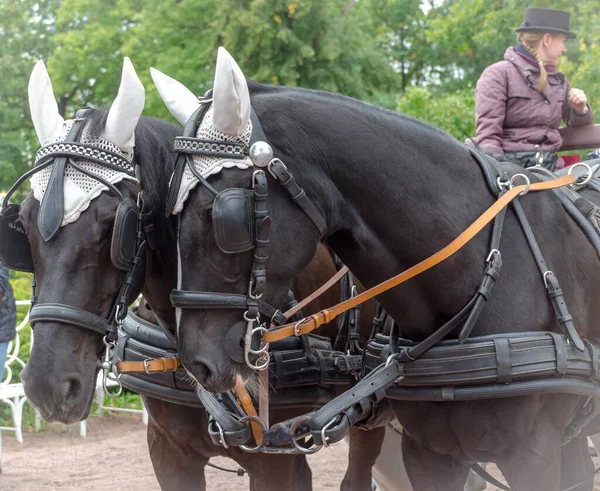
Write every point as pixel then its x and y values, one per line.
pixel 298 195
pixel 553 287
pixel 56 312
pixel 373 384
pixel 208 300
pixel 51 213
pixel 229 428
pixel 189 130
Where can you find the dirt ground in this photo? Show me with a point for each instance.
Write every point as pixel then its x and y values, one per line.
pixel 59 459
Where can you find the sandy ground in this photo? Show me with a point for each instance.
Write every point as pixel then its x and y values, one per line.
pixel 59 459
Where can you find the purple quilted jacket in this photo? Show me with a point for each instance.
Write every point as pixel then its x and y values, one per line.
pixel 513 116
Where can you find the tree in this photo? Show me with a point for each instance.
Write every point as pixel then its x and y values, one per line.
pixel 26 35
pixel 323 45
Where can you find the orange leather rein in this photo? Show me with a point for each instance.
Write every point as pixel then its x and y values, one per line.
pixel 312 322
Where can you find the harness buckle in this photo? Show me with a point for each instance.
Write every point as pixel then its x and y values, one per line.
pixel 297 331
pixel 150 371
pixel 546 274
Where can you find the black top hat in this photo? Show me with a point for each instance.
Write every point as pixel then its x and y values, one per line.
pixel 546 20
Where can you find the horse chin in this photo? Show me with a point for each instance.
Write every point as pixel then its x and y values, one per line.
pixel 68 411
pixel 62 388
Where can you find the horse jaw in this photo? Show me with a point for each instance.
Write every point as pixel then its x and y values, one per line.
pixel 126 109
pixel 231 98
pixel 47 121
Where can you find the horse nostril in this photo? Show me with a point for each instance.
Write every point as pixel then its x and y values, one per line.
pixel 201 370
pixel 71 388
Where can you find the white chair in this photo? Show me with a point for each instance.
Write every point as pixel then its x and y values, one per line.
pixel 12 393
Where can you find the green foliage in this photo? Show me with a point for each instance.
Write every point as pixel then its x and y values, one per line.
pixel 453 113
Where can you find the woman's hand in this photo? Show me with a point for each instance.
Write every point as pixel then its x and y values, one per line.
pixel 578 101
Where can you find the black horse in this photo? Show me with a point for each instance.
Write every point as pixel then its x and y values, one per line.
pixel 76 268
pixel 393 191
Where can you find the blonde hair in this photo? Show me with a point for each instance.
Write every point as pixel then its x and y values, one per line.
pixel 529 41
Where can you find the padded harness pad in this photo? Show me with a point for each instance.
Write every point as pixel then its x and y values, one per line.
pixel 232 220
pixel 122 248
pixel 15 250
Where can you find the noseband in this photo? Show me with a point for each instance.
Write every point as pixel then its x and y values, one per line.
pixel 241 222
pixel 130 234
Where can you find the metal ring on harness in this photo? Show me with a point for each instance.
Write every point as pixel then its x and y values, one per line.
pixel 310 450
pixel 265 347
pixel 258 421
pixel 511 183
pixel 588 178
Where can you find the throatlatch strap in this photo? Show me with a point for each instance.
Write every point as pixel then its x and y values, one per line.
pixel 324 316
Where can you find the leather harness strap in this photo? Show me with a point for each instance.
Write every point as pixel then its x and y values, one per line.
pixel 246 402
pixel 149 366
pixel 316 294
pixel 326 315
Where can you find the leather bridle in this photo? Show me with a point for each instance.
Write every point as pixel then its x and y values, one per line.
pixel 133 225
pixel 254 205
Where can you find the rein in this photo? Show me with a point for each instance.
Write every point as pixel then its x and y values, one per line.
pixel 308 324
pixel 311 323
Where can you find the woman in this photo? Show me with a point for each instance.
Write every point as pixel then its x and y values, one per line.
pixel 521 100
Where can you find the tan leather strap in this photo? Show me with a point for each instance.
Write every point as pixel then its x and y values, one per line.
pixel 332 281
pixel 327 315
pixel 248 407
pixel 149 366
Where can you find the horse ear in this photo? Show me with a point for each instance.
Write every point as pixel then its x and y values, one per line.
pixel 47 121
pixel 180 100
pixel 126 109
pixel 231 99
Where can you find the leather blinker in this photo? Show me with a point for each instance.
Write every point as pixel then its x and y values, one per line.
pixel 122 248
pixel 15 250
pixel 232 220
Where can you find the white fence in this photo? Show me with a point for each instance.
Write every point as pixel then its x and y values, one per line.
pixel 12 393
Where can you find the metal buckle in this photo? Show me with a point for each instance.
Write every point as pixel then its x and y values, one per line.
pixel 298 324
pixel 251 293
pixel 546 274
pixel 325 438
pixel 270 167
pixel 254 174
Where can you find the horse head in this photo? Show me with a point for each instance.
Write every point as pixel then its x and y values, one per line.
pixel 235 244
pixel 80 220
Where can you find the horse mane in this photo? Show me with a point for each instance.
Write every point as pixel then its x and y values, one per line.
pixel 373 112
pixel 153 152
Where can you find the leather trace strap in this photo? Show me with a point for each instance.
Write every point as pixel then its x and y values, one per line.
pixel 324 316
pixel 149 366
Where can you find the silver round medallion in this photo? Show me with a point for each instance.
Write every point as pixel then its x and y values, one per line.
pixel 261 154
